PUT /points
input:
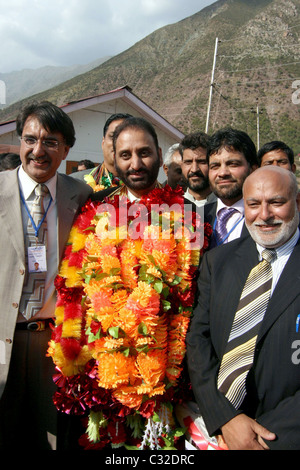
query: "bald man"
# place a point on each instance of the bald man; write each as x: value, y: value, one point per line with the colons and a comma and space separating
x: 267, y: 414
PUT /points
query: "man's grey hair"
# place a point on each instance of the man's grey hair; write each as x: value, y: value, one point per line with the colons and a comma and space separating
x: 169, y: 154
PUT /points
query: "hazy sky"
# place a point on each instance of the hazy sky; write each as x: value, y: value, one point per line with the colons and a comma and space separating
x: 35, y: 33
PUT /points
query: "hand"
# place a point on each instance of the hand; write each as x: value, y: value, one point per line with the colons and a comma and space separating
x: 244, y: 433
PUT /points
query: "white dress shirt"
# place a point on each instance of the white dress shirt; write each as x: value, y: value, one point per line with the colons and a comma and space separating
x: 27, y: 186
x: 283, y: 254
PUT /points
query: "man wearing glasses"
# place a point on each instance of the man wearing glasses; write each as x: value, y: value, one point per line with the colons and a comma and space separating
x: 37, y: 209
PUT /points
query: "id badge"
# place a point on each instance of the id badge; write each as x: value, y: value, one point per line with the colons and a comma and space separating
x: 37, y: 262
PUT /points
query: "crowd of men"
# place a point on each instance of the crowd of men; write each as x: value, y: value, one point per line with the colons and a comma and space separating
x: 241, y: 341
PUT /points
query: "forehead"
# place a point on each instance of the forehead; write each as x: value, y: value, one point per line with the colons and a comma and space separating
x: 275, y: 155
x: 131, y: 138
x: 267, y: 186
x: 35, y: 128
x: 227, y: 154
x: 196, y: 154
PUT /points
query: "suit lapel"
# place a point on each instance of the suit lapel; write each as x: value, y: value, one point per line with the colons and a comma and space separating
x: 244, y: 258
x: 10, y: 211
x: 287, y: 289
x: 67, y: 207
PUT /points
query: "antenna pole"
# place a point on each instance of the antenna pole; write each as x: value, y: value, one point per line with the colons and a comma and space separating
x: 211, y: 85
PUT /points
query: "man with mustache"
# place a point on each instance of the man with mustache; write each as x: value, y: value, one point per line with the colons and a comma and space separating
x: 253, y: 402
x: 33, y: 237
x: 195, y: 168
x: 231, y: 157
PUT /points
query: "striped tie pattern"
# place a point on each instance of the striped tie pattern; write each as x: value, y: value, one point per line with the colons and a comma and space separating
x: 239, y: 353
x: 34, y: 283
x: 222, y: 219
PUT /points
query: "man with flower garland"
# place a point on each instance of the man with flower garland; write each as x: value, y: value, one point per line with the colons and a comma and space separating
x: 125, y: 294
x: 104, y: 175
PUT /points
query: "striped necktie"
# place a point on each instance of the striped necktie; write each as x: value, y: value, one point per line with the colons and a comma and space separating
x: 34, y: 284
x: 239, y: 353
x: 222, y: 219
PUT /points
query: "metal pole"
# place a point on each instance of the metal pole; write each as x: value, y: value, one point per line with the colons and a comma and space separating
x: 211, y: 85
x: 257, y: 112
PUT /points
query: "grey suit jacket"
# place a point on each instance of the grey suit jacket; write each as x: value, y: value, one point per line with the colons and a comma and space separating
x: 71, y: 195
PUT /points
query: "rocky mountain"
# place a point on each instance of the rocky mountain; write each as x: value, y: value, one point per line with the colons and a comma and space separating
x: 25, y: 83
x: 257, y: 66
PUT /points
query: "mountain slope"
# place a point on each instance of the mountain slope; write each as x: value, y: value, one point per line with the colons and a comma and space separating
x: 257, y: 63
x: 27, y: 82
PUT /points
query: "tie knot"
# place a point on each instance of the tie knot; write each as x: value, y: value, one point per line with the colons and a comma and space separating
x: 225, y: 213
x: 269, y: 255
x: 41, y: 190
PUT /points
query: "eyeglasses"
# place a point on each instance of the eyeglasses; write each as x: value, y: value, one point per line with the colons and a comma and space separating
x: 50, y: 144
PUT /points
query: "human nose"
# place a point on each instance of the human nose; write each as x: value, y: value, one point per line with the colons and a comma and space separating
x: 194, y: 167
x: 136, y: 162
x: 38, y: 148
x: 223, y: 170
x: 264, y: 212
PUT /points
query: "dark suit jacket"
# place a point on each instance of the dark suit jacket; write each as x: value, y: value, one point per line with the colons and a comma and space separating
x: 273, y: 385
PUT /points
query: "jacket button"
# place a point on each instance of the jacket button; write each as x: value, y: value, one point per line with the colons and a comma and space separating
x: 22, y: 271
x: 15, y: 305
x: 8, y: 340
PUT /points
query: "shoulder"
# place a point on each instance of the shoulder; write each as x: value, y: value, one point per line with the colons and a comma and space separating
x: 238, y: 247
x: 79, y: 175
x: 101, y: 195
x: 68, y: 183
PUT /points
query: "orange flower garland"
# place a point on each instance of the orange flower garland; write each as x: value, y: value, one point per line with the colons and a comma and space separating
x: 124, y: 301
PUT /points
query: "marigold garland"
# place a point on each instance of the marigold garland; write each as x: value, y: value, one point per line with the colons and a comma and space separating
x: 123, y: 309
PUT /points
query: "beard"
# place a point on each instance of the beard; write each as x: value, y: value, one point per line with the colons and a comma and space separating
x: 282, y: 232
x: 140, y: 179
x: 233, y: 192
x: 199, y: 186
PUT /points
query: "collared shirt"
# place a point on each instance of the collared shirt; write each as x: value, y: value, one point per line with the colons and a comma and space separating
x: 235, y: 223
x: 199, y: 203
x: 27, y: 186
x: 283, y: 254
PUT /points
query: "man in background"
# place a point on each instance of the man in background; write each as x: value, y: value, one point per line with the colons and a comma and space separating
x: 277, y: 153
x: 85, y: 165
x: 104, y: 175
x: 195, y: 169
x: 172, y: 167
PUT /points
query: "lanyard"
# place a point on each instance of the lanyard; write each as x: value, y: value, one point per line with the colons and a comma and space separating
x: 230, y: 231
x: 36, y: 228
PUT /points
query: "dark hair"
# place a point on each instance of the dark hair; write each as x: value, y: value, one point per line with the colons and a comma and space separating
x: 276, y: 145
x: 87, y: 163
x: 233, y: 138
x: 9, y: 161
x: 51, y: 117
x: 112, y: 118
x: 194, y: 141
x: 135, y: 123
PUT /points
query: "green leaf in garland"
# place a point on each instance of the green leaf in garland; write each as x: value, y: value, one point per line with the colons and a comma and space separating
x: 142, y: 329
